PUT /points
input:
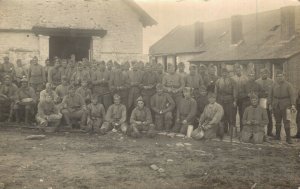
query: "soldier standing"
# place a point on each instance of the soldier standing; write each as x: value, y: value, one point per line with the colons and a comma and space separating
x: 266, y: 83
x: 36, y: 76
x: 282, y: 99
x: 148, y: 83
x: 173, y: 83
x: 226, y: 96
x: 54, y: 74
x: 135, y: 78
x: 7, y: 68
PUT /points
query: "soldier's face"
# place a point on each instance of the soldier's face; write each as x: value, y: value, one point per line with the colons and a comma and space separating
x: 171, y: 69
x: 24, y: 84
x: 159, y: 91
x: 279, y: 78
x: 212, y: 100
x: 238, y: 71
x: 224, y: 74
x: 117, y: 100
x: 264, y: 75
x: 64, y: 64
x: 84, y: 84
x: 80, y: 67
x: 192, y: 71
x: 254, y: 101
x: 181, y: 68
x: 71, y: 92
x: 94, y: 101
x: 186, y: 94
x: 140, y: 104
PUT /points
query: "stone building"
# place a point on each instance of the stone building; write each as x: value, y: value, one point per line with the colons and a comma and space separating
x: 95, y: 29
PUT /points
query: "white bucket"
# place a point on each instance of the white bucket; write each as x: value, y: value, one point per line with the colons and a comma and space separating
x: 189, y: 131
x: 263, y: 103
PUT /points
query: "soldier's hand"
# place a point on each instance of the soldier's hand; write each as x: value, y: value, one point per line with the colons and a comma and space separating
x: 293, y: 108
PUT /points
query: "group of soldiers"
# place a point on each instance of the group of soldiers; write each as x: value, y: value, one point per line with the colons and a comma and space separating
x: 137, y: 98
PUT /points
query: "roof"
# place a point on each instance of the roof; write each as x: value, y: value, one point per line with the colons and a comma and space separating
x: 262, y: 42
x: 145, y: 18
x: 79, y: 14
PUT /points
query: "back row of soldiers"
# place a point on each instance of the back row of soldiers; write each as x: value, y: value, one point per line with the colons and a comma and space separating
x: 104, y: 80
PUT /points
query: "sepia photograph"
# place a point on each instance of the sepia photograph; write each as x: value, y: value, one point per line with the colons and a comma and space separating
x: 149, y: 94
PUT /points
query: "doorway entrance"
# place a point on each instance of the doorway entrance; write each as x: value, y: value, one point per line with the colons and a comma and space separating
x: 64, y: 46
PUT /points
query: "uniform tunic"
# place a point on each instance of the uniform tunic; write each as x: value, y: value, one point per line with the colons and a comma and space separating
x: 85, y: 93
x: 45, y: 93
x: 75, y: 101
x: 149, y: 78
x: 36, y: 74
x: 212, y: 113
x: 143, y: 115
x: 8, y: 69
x: 79, y: 76
x: 134, y: 91
x: 116, y: 113
x: 187, y: 110
x: 120, y: 79
x: 174, y: 81
x: 54, y: 76
x: 62, y: 90
x: 46, y: 109
x: 96, y: 114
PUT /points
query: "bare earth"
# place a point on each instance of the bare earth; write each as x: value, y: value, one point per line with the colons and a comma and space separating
x: 83, y: 161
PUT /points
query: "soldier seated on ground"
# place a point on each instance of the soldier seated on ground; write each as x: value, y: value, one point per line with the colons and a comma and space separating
x: 95, y: 115
x: 209, y: 119
x: 162, y: 105
x: 73, y: 108
x: 255, y: 119
x: 25, y: 100
x: 115, y: 117
x: 49, y: 92
x: 8, y: 92
x: 186, y: 112
x: 141, y: 120
x: 48, y: 116
x: 85, y: 92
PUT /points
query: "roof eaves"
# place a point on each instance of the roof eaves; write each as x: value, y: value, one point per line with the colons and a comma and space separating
x: 145, y: 18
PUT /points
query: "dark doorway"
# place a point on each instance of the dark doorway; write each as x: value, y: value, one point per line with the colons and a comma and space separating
x: 63, y: 47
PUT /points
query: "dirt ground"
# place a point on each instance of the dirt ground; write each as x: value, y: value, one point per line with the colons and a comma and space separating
x: 83, y: 161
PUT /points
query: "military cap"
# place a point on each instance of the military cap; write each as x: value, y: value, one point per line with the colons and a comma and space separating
x: 140, y: 99
x: 279, y: 72
x: 253, y: 96
x: 202, y: 66
x: 7, y: 77
x: 117, y: 65
x: 187, y: 89
x: 264, y: 70
x: 6, y: 58
x: 80, y: 63
x: 193, y: 66
x: 24, y: 79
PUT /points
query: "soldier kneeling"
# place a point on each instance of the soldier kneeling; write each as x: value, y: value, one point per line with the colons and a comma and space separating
x: 141, y: 120
x: 48, y: 116
x: 255, y: 119
x: 209, y: 119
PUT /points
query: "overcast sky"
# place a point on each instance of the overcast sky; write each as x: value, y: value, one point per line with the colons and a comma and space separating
x: 170, y: 13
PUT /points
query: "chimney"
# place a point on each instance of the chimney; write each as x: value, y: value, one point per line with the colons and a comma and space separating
x: 236, y: 29
x: 199, y: 34
x: 287, y: 22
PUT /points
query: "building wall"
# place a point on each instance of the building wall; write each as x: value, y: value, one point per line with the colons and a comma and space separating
x: 123, y: 40
x: 292, y: 70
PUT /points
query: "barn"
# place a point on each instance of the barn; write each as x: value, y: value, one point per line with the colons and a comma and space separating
x: 94, y: 29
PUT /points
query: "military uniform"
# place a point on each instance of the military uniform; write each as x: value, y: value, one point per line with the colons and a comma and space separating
x: 79, y: 76
x: 36, y: 77
x: 48, y: 115
x: 135, y: 78
x: 24, y: 93
x: 44, y: 93
x: 186, y: 110
x: 281, y: 98
x: 266, y: 85
x: 100, y: 81
x: 162, y: 105
x: 254, y: 120
x: 7, y: 68
x: 141, y: 120
x: 209, y: 120
x: 54, y: 76
x: 226, y: 96
x: 74, y: 108
x: 61, y: 91
x: 85, y: 93
x: 96, y: 115
x: 8, y: 95
x: 148, y: 83
x: 119, y: 84
x: 173, y: 84
x: 115, y: 118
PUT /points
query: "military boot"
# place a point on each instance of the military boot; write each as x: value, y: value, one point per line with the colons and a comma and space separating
x: 288, y: 135
x: 278, y: 131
